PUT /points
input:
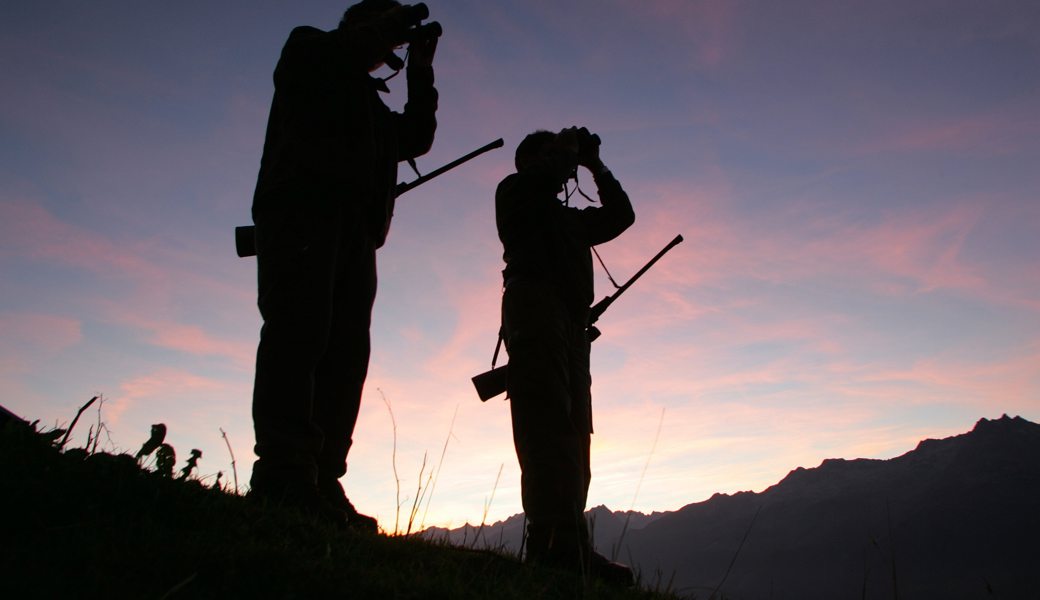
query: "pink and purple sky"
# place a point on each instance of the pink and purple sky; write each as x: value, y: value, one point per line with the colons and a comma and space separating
x: 858, y: 183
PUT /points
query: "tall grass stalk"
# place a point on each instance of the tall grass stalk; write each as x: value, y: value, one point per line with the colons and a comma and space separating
x: 234, y: 468
x: 639, y: 484
x: 892, y: 540
x: 393, y: 461
x: 92, y: 448
x: 733, y: 561
x: 440, y: 463
x: 94, y: 434
x: 487, y: 506
x: 419, y: 493
x: 179, y: 586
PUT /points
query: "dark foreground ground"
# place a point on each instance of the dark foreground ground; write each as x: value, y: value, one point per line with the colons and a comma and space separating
x: 97, y: 526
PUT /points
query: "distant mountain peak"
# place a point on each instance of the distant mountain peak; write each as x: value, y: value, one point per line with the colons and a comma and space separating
x: 1003, y: 430
x: 1005, y: 423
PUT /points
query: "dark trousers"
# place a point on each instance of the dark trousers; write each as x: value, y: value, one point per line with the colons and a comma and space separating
x: 317, y: 285
x: 549, y: 388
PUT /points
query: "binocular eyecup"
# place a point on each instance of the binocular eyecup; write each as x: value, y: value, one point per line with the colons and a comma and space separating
x: 414, y: 14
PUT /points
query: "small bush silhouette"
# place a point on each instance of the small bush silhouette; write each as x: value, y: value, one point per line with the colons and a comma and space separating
x: 153, y: 443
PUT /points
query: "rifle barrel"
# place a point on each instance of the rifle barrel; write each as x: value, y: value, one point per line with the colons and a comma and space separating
x: 245, y: 236
x: 647, y: 266
x: 404, y: 187
x: 603, y: 304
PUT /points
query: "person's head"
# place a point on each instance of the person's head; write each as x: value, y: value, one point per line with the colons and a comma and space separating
x: 363, y: 11
x: 366, y: 9
x: 531, y: 148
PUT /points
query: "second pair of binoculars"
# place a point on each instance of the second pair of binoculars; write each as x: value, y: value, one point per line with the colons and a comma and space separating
x: 411, y: 16
x: 580, y: 144
x: 578, y: 139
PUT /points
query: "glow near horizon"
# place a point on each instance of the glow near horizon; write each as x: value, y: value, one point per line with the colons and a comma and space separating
x: 856, y: 184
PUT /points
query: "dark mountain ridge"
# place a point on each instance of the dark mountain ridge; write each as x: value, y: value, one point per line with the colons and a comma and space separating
x: 953, y: 518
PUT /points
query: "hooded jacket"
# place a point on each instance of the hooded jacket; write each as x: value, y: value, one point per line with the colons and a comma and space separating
x: 546, y: 241
x: 331, y: 142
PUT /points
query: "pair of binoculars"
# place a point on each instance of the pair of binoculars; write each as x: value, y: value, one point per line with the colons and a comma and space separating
x: 586, y: 139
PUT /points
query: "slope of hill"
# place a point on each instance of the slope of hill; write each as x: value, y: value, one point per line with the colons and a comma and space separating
x: 954, y: 518
x: 77, y: 525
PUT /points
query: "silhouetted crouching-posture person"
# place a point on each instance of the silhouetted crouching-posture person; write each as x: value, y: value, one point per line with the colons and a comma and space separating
x: 545, y: 308
x: 323, y: 203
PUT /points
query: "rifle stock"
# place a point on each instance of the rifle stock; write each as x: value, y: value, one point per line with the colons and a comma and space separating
x: 492, y: 383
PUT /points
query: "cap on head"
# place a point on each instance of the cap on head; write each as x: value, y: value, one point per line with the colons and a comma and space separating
x: 530, y: 149
x: 366, y: 9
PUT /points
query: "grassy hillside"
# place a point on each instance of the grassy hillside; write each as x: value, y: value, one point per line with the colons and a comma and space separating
x: 97, y: 526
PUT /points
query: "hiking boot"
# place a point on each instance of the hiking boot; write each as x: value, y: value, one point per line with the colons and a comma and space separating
x: 598, y: 566
x: 301, y: 497
x: 610, y: 572
x: 332, y: 492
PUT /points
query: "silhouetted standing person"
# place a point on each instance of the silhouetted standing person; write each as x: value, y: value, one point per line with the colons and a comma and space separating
x: 545, y: 310
x: 323, y: 203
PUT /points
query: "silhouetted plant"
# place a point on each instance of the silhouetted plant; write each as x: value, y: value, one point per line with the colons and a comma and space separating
x: 94, y: 434
x: 153, y: 443
x: 165, y: 457
x: 193, y: 462
x: 51, y: 437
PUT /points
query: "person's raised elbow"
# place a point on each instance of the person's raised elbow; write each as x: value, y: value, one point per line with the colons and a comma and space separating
x: 420, y: 141
x: 627, y: 218
x: 626, y: 215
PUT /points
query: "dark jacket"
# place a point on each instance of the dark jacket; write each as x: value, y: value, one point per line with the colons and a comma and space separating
x: 331, y: 142
x: 547, y: 241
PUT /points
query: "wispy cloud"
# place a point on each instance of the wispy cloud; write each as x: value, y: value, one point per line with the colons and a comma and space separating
x: 707, y: 26
x: 909, y: 250
x: 26, y: 338
x: 31, y: 231
x: 192, y: 340
x: 1010, y: 129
